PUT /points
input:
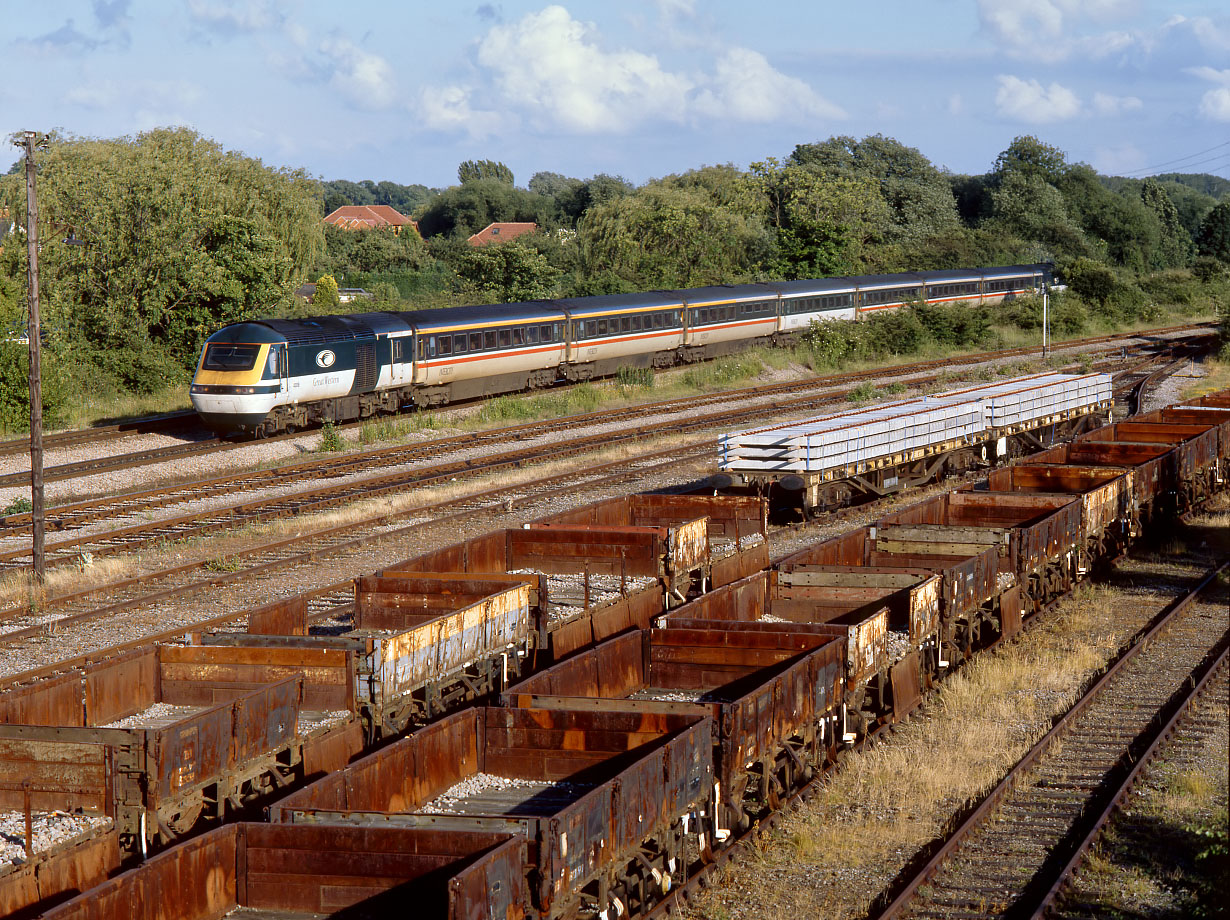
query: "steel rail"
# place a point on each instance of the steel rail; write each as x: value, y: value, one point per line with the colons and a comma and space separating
x: 1212, y: 670
x: 487, y: 500
x: 313, y: 499
x: 978, y: 816
x: 213, y: 445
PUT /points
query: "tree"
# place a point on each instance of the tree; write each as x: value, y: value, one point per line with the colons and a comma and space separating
x: 473, y: 170
x: 507, y: 273
x: 919, y: 197
x: 823, y: 222
x: 326, y: 298
x: 1026, y: 205
x: 1214, y: 237
x: 1029, y: 157
x: 1175, y: 246
x: 181, y: 237
x: 666, y: 236
x: 465, y: 209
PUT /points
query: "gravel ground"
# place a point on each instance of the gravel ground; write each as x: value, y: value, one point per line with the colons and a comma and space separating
x: 260, y: 454
x: 51, y: 829
x: 1169, y: 391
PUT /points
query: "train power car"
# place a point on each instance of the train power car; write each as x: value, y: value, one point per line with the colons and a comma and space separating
x: 268, y: 376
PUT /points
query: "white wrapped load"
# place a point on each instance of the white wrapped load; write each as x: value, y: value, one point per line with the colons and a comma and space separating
x: 862, y: 437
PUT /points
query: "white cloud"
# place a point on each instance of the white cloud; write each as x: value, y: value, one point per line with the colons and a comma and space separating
x: 233, y: 16
x: 448, y: 109
x: 956, y: 105
x: 364, y: 78
x: 1048, y: 29
x: 553, y: 65
x: 1030, y: 101
x: 1215, y: 104
x: 745, y: 87
x: 556, y: 70
x: 1106, y: 104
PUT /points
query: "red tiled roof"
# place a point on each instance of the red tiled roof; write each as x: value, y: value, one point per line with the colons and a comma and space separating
x: 501, y: 232
x: 367, y: 216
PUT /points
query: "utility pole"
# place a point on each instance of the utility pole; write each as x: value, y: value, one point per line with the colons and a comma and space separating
x: 29, y: 140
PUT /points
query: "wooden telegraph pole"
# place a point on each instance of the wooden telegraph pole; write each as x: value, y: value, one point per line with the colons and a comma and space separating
x: 29, y: 140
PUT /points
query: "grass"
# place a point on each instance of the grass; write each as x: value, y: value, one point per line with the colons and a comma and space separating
x: 896, y: 796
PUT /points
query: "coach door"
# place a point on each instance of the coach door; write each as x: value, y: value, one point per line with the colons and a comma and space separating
x: 401, y: 354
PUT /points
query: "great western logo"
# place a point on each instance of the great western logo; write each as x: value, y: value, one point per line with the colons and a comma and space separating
x: 325, y: 358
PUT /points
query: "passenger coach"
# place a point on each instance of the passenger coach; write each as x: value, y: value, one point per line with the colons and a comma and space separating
x: 267, y: 376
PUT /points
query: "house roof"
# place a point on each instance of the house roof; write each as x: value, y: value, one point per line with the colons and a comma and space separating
x: 368, y: 216
x: 501, y: 232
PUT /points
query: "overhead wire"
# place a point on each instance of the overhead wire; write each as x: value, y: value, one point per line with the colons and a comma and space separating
x: 1190, y: 156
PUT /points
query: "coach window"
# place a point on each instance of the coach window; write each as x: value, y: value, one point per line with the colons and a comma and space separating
x: 625, y: 324
x: 591, y: 328
x: 636, y: 323
x: 518, y: 336
x: 505, y: 338
x: 446, y: 345
x: 459, y: 344
x: 531, y: 335
x: 544, y: 333
x: 488, y: 340
x: 476, y: 341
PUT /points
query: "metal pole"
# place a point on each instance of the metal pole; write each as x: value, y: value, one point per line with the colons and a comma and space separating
x: 29, y: 141
x: 1046, y: 339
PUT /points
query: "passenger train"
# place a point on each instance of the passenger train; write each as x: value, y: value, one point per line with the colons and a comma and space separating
x: 269, y: 376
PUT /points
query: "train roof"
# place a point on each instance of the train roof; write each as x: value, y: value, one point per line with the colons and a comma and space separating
x: 452, y: 317
x: 725, y: 293
x: 951, y: 274
x: 805, y: 286
x: 1013, y: 271
x: 246, y: 333
x: 618, y: 303
x: 902, y: 279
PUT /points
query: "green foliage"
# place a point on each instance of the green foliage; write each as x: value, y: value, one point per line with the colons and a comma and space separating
x: 465, y: 209
x: 918, y: 196
x: 862, y: 394
x: 18, y: 506
x: 404, y: 199
x: 1213, y: 240
x: 672, y: 234
x: 1091, y: 280
x: 330, y: 441
x: 326, y: 297
x: 1030, y: 158
x: 1207, y: 268
x: 15, y: 388
x: 181, y: 237
x: 506, y: 273
x: 473, y: 170
x: 824, y: 223
x: 378, y: 250
x: 1175, y: 247
x: 642, y: 377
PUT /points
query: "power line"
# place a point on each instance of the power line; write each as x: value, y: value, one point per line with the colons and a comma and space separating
x: 1181, y: 159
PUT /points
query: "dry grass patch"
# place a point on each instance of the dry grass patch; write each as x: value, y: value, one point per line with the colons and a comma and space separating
x: 217, y: 551
x: 870, y: 817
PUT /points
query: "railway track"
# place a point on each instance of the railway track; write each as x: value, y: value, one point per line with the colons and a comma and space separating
x: 210, y: 445
x: 1203, y: 712
x: 1007, y: 855
x: 165, y: 605
x: 392, y: 473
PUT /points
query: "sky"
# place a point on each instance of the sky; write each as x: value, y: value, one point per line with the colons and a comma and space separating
x: 404, y: 91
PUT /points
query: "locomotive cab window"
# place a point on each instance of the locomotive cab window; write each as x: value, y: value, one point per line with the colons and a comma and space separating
x: 225, y: 357
x: 276, y: 365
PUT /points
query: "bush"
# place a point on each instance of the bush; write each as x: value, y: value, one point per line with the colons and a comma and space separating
x: 330, y: 440
x: 1092, y: 280
x: 15, y: 388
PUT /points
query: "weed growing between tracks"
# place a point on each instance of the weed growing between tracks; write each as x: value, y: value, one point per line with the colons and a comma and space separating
x: 832, y: 856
